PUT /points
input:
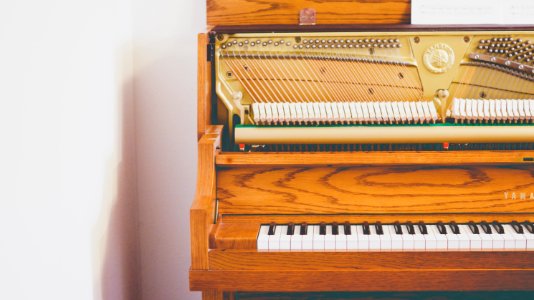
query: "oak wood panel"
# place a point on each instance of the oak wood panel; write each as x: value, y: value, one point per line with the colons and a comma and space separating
x: 478, y: 295
x: 212, y: 295
x: 287, y: 261
x: 202, y: 212
x: 235, y: 236
x: 243, y: 235
x: 259, y: 12
x: 203, y: 86
x: 372, y: 158
x: 248, y: 222
x: 373, y: 190
x: 363, y: 280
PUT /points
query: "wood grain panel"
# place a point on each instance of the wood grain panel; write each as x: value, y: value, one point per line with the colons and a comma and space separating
x: 260, y: 12
x: 248, y: 222
x: 373, y: 158
x: 363, y: 280
x: 202, y: 212
x: 374, y: 190
x: 287, y: 261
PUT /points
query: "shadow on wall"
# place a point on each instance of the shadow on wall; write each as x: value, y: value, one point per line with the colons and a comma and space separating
x: 116, y: 258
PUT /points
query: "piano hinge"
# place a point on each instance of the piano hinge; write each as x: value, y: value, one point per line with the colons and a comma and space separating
x: 307, y: 16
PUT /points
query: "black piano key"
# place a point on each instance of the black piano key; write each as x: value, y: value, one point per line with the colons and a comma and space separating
x: 347, y: 229
x: 335, y: 228
x: 290, y: 229
x: 422, y: 227
x: 322, y: 228
x: 272, y: 228
x: 379, y: 229
x: 398, y: 227
x: 410, y: 227
x: 441, y: 228
x: 485, y: 226
x: 366, y: 229
x: 517, y: 227
x: 529, y: 226
x: 473, y: 227
x: 303, y: 229
x: 498, y: 227
x: 454, y: 227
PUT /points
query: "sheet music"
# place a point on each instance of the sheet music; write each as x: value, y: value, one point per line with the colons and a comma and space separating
x: 472, y: 12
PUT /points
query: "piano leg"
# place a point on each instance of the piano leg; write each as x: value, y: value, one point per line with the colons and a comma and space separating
x: 217, y: 295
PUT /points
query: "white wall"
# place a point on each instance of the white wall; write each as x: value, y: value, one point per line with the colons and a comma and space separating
x: 68, y: 215
x: 165, y: 93
x: 97, y: 147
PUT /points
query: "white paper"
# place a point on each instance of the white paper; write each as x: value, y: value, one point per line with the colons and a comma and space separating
x: 472, y: 12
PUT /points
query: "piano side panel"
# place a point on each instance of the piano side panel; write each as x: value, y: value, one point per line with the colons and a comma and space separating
x: 375, y: 190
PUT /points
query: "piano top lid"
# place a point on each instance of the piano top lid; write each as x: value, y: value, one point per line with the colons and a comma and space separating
x: 295, y: 12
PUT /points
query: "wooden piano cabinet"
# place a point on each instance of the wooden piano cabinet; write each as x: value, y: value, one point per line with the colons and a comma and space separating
x: 237, y: 192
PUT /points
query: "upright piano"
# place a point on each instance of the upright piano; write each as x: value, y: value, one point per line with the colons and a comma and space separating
x: 343, y: 152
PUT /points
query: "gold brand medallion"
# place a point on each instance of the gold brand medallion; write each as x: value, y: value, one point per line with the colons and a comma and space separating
x: 438, y: 58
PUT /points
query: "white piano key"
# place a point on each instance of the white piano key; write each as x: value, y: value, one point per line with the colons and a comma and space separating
x: 341, y: 239
x: 517, y: 241
x: 296, y: 239
x: 441, y: 239
x: 530, y: 239
x: 329, y: 239
x: 363, y: 239
x: 498, y: 239
x: 262, y: 243
x: 453, y: 241
x: 464, y: 242
x: 318, y: 239
x: 274, y: 240
x: 285, y: 239
x: 352, y: 239
x: 475, y: 242
x: 419, y: 243
x: 374, y: 239
x: 307, y: 239
x: 396, y: 239
x: 385, y: 239
x: 407, y: 239
x: 431, y: 243
x: 486, y: 239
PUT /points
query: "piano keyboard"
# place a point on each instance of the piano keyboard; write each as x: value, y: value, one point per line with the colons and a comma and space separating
x: 483, y: 236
